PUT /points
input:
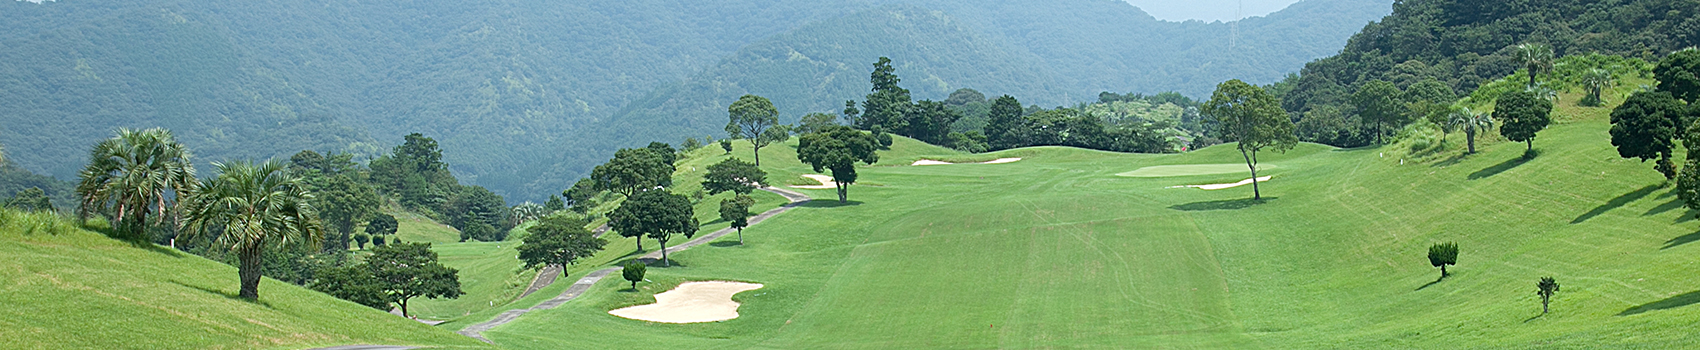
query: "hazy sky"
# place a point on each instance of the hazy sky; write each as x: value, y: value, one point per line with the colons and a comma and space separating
x: 1208, y: 10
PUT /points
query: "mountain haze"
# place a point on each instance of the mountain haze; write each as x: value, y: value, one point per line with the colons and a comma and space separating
x: 526, y: 96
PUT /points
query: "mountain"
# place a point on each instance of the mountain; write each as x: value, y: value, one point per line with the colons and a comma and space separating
x: 527, y: 95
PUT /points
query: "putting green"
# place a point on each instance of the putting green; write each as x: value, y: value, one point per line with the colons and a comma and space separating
x: 1191, y: 169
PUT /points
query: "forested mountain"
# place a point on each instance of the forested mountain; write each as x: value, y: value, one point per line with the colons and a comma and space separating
x: 526, y: 95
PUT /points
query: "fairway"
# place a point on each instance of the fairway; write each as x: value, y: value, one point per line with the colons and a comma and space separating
x: 1063, y: 250
x: 1192, y: 170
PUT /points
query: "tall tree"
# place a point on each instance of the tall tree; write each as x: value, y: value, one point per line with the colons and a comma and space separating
x: 887, y: 103
x: 342, y: 203
x: 668, y: 154
x: 558, y: 240
x: 134, y: 175
x: 250, y: 205
x: 1378, y: 104
x: 1472, y: 123
x: 580, y: 196
x: 1250, y: 116
x: 737, y: 211
x: 1521, y: 115
x: 1645, y: 126
x: 1003, y: 125
x: 1679, y: 74
x: 750, y: 117
x: 411, y: 270
x: 838, y: 149
x: 1546, y: 288
x: 1536, y: 58
x: 656, y: 214
x: 733, y: 175
x: 633, y: 170
x: 929, y: 122
x: 1443, y: 254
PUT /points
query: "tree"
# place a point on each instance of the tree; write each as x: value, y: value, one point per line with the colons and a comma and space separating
x: 1003, y: 127
x: 750, y: 117
x: 1443, y: 254
x: 633, y: 170
x: 1536, y: 58
x: 1472, y: 123
x: 733, y: 175
x: 554, y: 204
x: 31, y: 199
x: 381, y: 225
x: 342, y: 203
x: 1377, y: 102
x: 249, y: 206
x: 929, y: 122
x: 838, y: 149
x: 377, y: 241
x: 633, y: 272
x: 352, y: 283
x: 134, y: 175
x: 1250, y: 116
x: 558, y: 240
x: 814, y: 122
x: 477, y: 205
x: 737, y: 211
x: 1645, y: 126
x: 1688, y: 180
x: 1546, y: 288
x: 1679, y: 74
x: 361, y: 239
x: 887, y: 104
x: 668, y: 154
x: 1596, y: 81
x: 526, y: 212
x: 656, y: 214
x: 411, y: 270
x: 1521, y: 114
x: 481, y: 231
x: 726, y: 144
x: 580, y: 196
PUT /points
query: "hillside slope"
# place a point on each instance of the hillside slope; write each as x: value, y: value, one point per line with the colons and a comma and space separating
x: 1057, y: 250
x: 69, y: 288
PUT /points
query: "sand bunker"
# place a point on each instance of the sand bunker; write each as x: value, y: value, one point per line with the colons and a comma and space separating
x: 934, y: 162
x: 1225, y: 186
x: 1191, y: 169
x: 825, y: 183
x: 691, y: 302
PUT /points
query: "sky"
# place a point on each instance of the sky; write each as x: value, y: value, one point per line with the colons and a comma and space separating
x: 1209, y: 10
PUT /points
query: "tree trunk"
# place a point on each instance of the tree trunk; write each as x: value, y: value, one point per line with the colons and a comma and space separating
x: 740, y: 236
x: 1470, y: 134
x: 1531, y: 143
x: 843, y: 192
x: 640, y: 243
x: 664, y: 261
x: 1544, y: 300
x: 1442, y: 270
x: 250, y: 272
x: 757, y: 151
x: 1255, y: 193
x: 403, y: 304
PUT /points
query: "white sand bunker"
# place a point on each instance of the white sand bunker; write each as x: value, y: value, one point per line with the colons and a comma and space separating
x: 1191, y: 169
x: 1225, y: 186
x: 934, y: 162
x: 691, y: 302
x: 825, y: 183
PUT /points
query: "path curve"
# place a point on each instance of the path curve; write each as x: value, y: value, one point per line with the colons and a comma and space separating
x: 544, y: 278
x: 584, y: 283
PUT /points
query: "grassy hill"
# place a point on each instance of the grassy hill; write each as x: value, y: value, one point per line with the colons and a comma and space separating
x: 68, y: 288
x: 1058, y: 251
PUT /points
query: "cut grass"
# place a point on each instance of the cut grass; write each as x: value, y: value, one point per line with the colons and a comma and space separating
x: 67, y: 288
x: 1057, y: 251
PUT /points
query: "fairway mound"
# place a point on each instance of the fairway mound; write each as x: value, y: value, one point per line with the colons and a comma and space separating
x: 935, y: 162
x: 825, y: 183
x: 691, y: 302
x: 1191, y: 169
x: 1225, y: 186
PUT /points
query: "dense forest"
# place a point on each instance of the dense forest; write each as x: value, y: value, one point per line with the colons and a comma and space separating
x: 529, y: 95
x: 1455, y: 47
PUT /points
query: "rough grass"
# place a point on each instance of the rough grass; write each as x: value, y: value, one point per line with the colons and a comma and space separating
x: 68, y: 288
x: 1057, y: 251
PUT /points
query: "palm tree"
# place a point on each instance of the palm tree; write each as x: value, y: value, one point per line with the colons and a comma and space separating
x: 1596, y: 81
x: 1536, y: 58
x: 253, y: 205
x: 1471, y: 122
x: 133, y: 175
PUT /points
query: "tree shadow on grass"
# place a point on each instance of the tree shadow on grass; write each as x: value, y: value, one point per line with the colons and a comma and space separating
x: 653, y: 263
x: 1499, y: 168
x: 1436, y: 281
x: 1615, y: 203
x: 1685, y: 299
x: 827, y: 203
x: 1450, y: 161
x: 226, y: 295
x: 724, y: 244
x: 1684, y: 239
x: 1231, y: 204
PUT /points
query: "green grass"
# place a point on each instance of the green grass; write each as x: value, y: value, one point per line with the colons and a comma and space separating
x: 67, y: 288
x: 413, y: 227
x: 1192, y: 170
x: 1058, y: 251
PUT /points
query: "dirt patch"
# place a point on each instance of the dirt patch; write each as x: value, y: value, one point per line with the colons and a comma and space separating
x: 825, y: 183
x: 691, y: 302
